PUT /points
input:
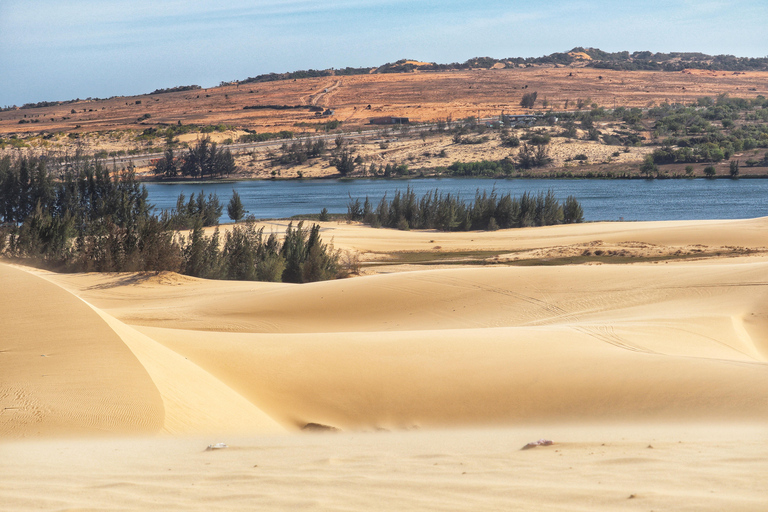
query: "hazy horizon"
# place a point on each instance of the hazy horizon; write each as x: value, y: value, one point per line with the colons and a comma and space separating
x: 82, y: 48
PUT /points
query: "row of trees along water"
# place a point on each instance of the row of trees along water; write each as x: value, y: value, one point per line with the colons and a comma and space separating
x: 94, y: 219
x: 448, y: 212
x: 91, y: 219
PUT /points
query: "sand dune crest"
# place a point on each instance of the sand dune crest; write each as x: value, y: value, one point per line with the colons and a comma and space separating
x: 63, y: 370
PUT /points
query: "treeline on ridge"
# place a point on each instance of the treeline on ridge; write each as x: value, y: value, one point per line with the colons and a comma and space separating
x: 178, y: 88
x: 305, y: 73
x: 91, y: 219
x: 623, y: 60
x: 448, y: 212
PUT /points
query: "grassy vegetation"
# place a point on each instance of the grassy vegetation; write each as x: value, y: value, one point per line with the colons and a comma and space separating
x: 466, y: 257
x: 434, y: 257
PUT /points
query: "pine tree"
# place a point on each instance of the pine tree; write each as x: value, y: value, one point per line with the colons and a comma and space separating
x: 572, y: 211
x: 552, y: 212
x: 345, y: 163
x: 235, y: 208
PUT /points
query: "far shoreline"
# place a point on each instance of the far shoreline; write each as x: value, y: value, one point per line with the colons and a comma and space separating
x: 182, y: 181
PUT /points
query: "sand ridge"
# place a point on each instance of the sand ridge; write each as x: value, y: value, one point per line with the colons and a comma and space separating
x: 101, y: 376
x: 64, y: 370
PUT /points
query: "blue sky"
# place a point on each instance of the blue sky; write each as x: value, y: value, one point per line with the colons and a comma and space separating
x: 58, y: 50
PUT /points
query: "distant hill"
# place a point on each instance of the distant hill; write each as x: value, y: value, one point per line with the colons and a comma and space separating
x: 588, y: 57
x: 577, y: 57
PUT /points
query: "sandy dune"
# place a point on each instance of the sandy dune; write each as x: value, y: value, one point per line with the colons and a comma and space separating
x: 64, y: 370
x: 604, y: 359
x: 752, y: 233
x: 460, y: 346
x: 478, y: 346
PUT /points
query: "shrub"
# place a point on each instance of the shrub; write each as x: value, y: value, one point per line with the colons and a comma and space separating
x: 734, y: 168
x: 649, y: 166
x: 344, y: 163
x: 528, y: 100
x: 537, y: 139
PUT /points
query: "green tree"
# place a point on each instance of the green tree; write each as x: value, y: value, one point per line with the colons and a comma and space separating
x: 649, y: 167
x: 270, y: 268
x: 202, y: 257
x: 734, y: 168
x: 709, y: 171
x: 224, y: 164
x: 306, y: 257
x: 344, y: 163
x: 167, y: 166
x: 235, y: 208
x: 196, y: 159
x: 240, y: 253
x: 45, y: 235
x: 294, y: 252
x: 552, y: 211
x: 572, y: 211
x: 206, y: 159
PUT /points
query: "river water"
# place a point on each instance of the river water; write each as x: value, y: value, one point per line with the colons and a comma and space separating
x: 679, y: 199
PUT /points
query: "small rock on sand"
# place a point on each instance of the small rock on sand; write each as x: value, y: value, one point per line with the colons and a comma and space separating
x: 319, y: 427
x: 540, y: 442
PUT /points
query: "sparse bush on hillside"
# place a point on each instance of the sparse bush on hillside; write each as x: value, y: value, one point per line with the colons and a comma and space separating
x: 537, y: 156
x: 344, y: 163
x: 528, y: 100
x: 261, y: 137
x: 298, y: 153
x: 510, y: 141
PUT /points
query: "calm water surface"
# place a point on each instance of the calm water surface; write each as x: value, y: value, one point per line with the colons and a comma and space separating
x: 681, y: 199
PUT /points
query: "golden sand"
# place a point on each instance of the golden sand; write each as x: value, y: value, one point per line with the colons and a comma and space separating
x: 652, y: 379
